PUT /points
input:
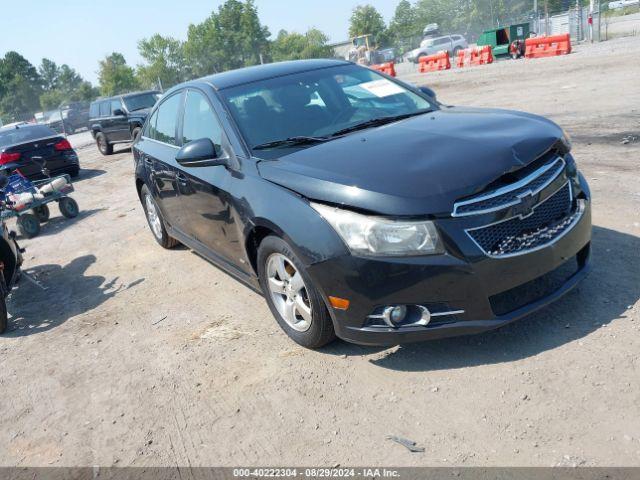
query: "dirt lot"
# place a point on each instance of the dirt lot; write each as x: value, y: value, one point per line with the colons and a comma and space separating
x: 138, y: 356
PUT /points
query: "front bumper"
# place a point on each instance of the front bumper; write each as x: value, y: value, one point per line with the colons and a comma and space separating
x: 463, y: 279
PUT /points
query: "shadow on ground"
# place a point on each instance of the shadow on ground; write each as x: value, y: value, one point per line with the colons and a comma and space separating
x: 88, y: 173
x: 54, y: 293
x: 603, y: 297
x: 57, y: 222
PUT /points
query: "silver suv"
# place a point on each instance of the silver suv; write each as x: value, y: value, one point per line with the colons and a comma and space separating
x: 429, y: 46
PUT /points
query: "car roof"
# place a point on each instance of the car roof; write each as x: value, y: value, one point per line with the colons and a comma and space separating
x: 124, y: 95
x: 20, y: 126
x: 257, y: 73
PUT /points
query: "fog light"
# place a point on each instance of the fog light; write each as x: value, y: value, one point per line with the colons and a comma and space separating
x: 396, y: 314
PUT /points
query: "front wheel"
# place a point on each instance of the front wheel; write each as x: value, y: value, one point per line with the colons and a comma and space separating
x: 291, y: 295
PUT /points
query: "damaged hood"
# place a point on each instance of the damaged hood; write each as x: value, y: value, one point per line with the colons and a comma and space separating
x: 417, y: 166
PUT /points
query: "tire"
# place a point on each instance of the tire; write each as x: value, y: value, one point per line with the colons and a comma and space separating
x: 313, y: 330
x: 103, y: 144
x: 157, y: 229
x: 68, y: 207
x: 43, y: 213
x: 135, y: 134
x: 28, y: 225
x: 3, y: 315
x: 419, y: 57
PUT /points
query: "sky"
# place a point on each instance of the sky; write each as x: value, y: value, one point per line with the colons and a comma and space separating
x: 81, y: 32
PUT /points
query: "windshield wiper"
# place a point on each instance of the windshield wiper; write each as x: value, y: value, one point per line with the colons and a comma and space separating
x: 377, y: 122
x: 300, y: 140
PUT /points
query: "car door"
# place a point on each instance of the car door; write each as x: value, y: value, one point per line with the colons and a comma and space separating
x: 204, y: 191
x: 106, y: 121
x: 119, y: 122
x: 157, y: 148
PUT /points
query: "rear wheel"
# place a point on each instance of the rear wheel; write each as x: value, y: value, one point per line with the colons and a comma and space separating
x: 155, y: 220
x: 28, y: 225
x: 291, y: 295
x: 103, y: 145
x: 68, y: 207
x: 43, y: 213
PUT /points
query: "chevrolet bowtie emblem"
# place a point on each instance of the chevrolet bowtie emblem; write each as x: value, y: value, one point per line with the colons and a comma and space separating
x: 525, y: 208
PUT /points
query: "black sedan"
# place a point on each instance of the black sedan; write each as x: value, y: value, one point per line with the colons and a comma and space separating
x: 362, y: 207
x: 35, y: 146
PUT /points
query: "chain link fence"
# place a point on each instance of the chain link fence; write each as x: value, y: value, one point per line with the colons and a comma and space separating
x: 67, y: 119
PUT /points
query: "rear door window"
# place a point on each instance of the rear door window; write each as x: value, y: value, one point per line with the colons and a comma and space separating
x: 167, y: 120
x: 94, y: 110
x: 150, y: 128
x: 105, y: 109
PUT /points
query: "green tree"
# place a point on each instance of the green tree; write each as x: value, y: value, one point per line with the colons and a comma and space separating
x: 232, y: 37
x: 296, y: 46
x: 62, y: 84
x: 164, y: 62
x: 48, y: 71
x: 20, y: 87
x: 115, y: 76
x: 366, y: 20
x: 404, y: 28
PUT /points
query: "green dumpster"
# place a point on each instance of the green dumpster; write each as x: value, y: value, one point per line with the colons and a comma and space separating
x: 501, y: 38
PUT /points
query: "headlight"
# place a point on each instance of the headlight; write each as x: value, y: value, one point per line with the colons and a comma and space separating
x: 365, y: 235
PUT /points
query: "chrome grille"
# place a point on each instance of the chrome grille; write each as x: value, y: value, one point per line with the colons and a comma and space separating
x: 510, y: 195
x: 550, y: 220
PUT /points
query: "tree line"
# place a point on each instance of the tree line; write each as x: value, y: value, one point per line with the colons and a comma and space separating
x: 233, y: 37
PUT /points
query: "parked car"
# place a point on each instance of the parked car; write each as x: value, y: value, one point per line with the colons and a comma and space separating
x: 75, y: 116
x: 53, y: 119
x: 429, y: 46
x: 31, y: 145
x: 119, y: 119
x: 382, y: 217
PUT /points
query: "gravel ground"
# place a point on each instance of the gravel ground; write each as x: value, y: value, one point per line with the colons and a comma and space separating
x: 134, y: 355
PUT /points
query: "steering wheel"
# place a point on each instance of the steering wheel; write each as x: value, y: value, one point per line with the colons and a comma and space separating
x: 343, y: 115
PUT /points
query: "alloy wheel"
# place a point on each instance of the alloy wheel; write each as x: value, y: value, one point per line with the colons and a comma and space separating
x: 289, y: 292
x: 153, y: 216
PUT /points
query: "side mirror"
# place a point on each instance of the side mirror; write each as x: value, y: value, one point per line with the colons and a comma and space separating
x: 427, y: 91
x: 118, y: 113
x: 199, y: 153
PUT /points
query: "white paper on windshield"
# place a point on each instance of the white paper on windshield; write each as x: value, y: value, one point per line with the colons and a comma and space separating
x: 382, y: 88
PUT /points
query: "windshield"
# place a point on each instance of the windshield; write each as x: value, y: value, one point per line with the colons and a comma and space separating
x: 15, y: 136
x: 318, y: 103
x: 138, y: 102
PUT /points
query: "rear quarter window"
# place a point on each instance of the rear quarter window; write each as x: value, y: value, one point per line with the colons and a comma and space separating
x: 94, y: 110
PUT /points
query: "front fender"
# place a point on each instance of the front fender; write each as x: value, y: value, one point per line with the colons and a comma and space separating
x: 291, y: 217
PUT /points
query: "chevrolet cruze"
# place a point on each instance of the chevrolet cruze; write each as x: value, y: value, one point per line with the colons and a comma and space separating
x: 360, y: 206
